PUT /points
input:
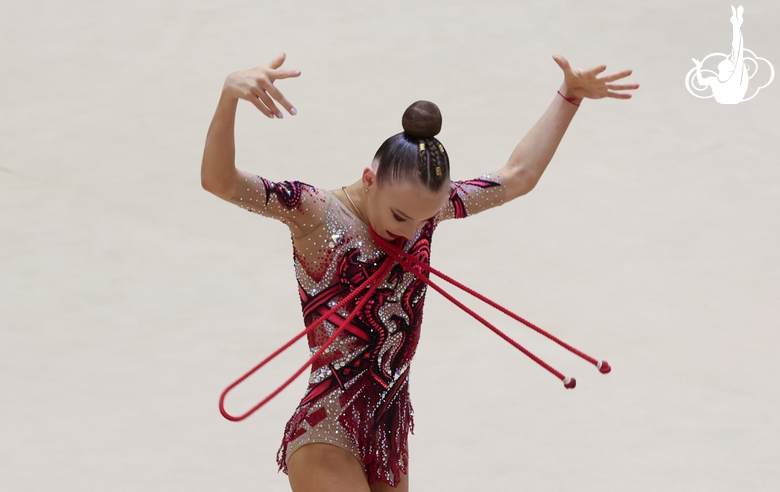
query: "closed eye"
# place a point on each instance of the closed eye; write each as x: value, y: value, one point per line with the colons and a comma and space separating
x: 398, y: 218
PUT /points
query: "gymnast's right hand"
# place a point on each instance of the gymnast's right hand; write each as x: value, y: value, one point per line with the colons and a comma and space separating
x: 257, y: 86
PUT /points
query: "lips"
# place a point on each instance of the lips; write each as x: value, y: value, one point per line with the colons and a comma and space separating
x: 394, y: 236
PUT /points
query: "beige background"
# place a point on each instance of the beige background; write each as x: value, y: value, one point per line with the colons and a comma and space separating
x: 129, y: 297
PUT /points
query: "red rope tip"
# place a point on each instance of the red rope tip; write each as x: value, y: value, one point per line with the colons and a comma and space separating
x: 604, y: 367
x: 569, y: 383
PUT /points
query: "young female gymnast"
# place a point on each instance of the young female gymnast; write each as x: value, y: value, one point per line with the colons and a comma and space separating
x: 349, y: 433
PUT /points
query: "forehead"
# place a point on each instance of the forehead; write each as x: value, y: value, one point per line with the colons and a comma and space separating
x: 414, y: 199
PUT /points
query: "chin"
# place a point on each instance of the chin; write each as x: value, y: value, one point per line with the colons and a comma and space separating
x: 393, y: 237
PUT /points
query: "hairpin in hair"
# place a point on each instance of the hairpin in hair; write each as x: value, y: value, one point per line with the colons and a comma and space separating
x: 438, y: 171
x: 441, y: 149
x: 422, y: 147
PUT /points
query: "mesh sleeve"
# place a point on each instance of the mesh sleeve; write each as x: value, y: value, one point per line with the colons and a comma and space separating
x: 291, y: 202
x: 473, y: 196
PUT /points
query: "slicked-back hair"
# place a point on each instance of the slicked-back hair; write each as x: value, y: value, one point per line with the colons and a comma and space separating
x: 403, y: 157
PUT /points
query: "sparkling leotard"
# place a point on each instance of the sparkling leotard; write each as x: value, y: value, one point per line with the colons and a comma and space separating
x: 358, y: 393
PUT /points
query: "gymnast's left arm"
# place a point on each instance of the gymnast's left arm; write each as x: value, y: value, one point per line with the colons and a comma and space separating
x: 534, y: 152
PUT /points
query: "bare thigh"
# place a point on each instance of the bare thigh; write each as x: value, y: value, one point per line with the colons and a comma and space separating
x: 320, y: 467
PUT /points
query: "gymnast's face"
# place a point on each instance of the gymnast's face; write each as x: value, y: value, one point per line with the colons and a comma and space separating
x: 400, y: 208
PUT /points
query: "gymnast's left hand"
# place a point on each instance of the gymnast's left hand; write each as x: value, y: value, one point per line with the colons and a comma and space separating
x: 590, y: 84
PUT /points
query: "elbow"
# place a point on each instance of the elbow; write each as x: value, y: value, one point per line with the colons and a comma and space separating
x: 206, y: 183
x: 520, y: 183
x: 526, y: 188
x: 521, y: 190
x: 530, y: 182
x: 221, y: 189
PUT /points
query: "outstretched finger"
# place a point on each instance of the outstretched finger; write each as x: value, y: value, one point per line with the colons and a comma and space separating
x: 273, y: 111
x: 259, y: 105
x: 618, y: 95
x: 616, y: 76
x: 562, y: 62
x: 285, y: 74
x: 276, y: 94
x: 277, y: 62
x: 597, y: 70
x: 622, y: 87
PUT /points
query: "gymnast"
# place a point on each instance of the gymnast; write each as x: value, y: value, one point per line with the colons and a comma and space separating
x: 363, y: 309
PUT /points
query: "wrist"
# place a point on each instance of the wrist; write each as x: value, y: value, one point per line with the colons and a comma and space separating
x: 228, y: 98
x: 229, y: 89
x: 566, y: 93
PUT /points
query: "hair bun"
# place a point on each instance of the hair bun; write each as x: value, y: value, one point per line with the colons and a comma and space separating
x: 422, y: 120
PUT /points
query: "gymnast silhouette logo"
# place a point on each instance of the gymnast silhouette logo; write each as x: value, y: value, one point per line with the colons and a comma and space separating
x: 735, y: 70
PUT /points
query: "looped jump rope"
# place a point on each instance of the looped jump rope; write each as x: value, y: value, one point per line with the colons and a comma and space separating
x: 371, y: 283
x: 411, y: 264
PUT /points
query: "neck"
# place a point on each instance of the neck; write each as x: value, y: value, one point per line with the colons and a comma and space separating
x: 355, y: 196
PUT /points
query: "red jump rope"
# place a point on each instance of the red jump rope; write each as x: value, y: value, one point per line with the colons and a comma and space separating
x: 411, y: 264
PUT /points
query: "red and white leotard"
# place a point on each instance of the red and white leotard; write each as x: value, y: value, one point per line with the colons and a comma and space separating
x: 358, y: 393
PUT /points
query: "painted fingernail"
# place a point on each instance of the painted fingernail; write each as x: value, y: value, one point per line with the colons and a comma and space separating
x: 271, y: 115
x: 293, y: 111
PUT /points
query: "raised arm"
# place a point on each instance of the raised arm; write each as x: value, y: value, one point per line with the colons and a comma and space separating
x: 218, y: 171
x: 534, y: 152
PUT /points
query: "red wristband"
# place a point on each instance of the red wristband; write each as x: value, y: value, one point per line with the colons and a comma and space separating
x: 570, y: 99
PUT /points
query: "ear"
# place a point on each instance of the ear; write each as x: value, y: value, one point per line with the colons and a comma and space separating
x: 369, y: 176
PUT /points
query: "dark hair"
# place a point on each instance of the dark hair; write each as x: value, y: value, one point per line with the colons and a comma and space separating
x: 415, y: 153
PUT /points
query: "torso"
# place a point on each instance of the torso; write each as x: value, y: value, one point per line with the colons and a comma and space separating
x: 358, y: 395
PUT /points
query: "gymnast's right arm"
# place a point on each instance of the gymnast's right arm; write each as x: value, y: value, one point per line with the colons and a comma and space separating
x: 218, y: 171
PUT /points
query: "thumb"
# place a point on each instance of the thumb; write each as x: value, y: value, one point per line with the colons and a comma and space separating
x: 562, y: 62
x: 277, y: 62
